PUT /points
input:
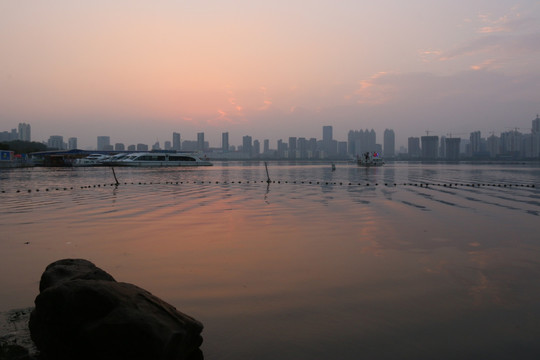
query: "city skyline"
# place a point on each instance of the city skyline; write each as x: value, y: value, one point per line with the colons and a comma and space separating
x: 510, y: 144
x: 135, y: 70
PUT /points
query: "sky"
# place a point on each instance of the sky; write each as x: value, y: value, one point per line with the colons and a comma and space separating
x: 138, y: 71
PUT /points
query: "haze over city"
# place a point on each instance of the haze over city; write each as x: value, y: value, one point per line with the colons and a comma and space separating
x: 139, y: 70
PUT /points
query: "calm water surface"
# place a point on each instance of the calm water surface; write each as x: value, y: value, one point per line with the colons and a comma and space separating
x: 316, y: 265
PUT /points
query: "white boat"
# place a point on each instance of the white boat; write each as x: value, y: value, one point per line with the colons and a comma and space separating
x: 161, y: 159
x: 369, y: 159
x: 91, y: 160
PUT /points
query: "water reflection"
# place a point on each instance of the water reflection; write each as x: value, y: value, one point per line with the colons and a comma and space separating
x: 299, y: 271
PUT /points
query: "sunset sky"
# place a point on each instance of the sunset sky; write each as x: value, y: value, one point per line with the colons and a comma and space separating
x: 138, y: 70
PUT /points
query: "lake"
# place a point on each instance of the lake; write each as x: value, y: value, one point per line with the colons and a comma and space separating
x: 348, y: 264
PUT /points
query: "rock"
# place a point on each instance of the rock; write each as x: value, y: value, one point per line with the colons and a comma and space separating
x: 15, y: 342
x: 83, y: 313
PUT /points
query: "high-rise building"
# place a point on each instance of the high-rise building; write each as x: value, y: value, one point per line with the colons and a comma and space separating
x: 103, y: 142
x: 225, y: 142
x: 72, y: 143
x: 536, y: 125
x: 256, y: 148
x: 176, y: 141
x: 452, y: 148
x: 430, y: 147
x: 536, y: 137
x: 200, y: 141
x: 167, y: 145
x: 24, y: 132
x: 142, y: 147
x: 414, y: 147
x: 327, y: 133
x: 328, y: 144
x: 292, y: 147
x: 56, y: 142
x: 442, y: 147
x: 475, y: 141
x: 493, y: 145
x: 266, y: 146
x: 361, y: 141
x: 119, y: 147
x: 389, y: 143
x: 247, y: 146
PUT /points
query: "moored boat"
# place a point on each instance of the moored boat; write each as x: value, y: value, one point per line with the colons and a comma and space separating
x: 161, y: 159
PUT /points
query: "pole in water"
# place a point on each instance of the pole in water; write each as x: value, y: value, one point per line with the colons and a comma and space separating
x: 267, y: 175
x: 114, y: 174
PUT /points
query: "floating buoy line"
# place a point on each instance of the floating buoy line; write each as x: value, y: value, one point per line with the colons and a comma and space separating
x: 268, y: 181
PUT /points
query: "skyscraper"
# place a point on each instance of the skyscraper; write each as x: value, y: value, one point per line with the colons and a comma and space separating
x: 247, y: 146
x: 292, y: 147
x: 452, y: 148
x: 256, y: 148
x: 266, y: 146
x: 103, y: 142
x: 430, y: 147
x: 24, y: 132
x: 389, y: 143
x: 56, y: 142
x: 200, y: 141
x: 176, y: 141
x: 414, y: 147
x: 225, y: 142
x: 327, y: 133
x: 475, y: 138
x: 72, y: 143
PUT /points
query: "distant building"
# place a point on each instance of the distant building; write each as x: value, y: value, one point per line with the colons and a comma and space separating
x: 361, y: 141
x: 247, y: 146
x: 190, y: 145
x: 225, y: 142
x: 452, y: 146
x: 24, y: 132
x: 536, y: 137
x: 56, y: 142
x: 389, y: 143
x: 102, y: 142
x: 292, y: 147
x: 156, y: 146
x: 342, y: 149
x: 493, y: 145
x: 475, y: 140
x: 131, y: 148
x: 430, y: 147
x: 176, y: 143
x: 167, y: 145
x: 256, y: 148
x: 142, y: 147
x: 200, y: 141
x: 119, y: 147
x: 72, y: 143
x: 266, y: 147
x: 442, y: 148
x: 414, y: 147
x: 329, y: 146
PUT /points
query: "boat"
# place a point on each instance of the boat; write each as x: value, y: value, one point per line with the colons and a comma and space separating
x: 161, y: 159
x: 91, y: 160
x: 369, y: 159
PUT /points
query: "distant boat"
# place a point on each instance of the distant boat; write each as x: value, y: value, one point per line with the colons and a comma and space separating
x: 91, y: 160
x: 160, y: 159
x: 369, y: 159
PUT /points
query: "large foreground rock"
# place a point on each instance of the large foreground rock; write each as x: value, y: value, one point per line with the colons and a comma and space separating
x: 83, y: 313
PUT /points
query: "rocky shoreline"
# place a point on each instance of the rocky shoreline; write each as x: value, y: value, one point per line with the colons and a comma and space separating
x: 83, y: 313
x: 15, y: 340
